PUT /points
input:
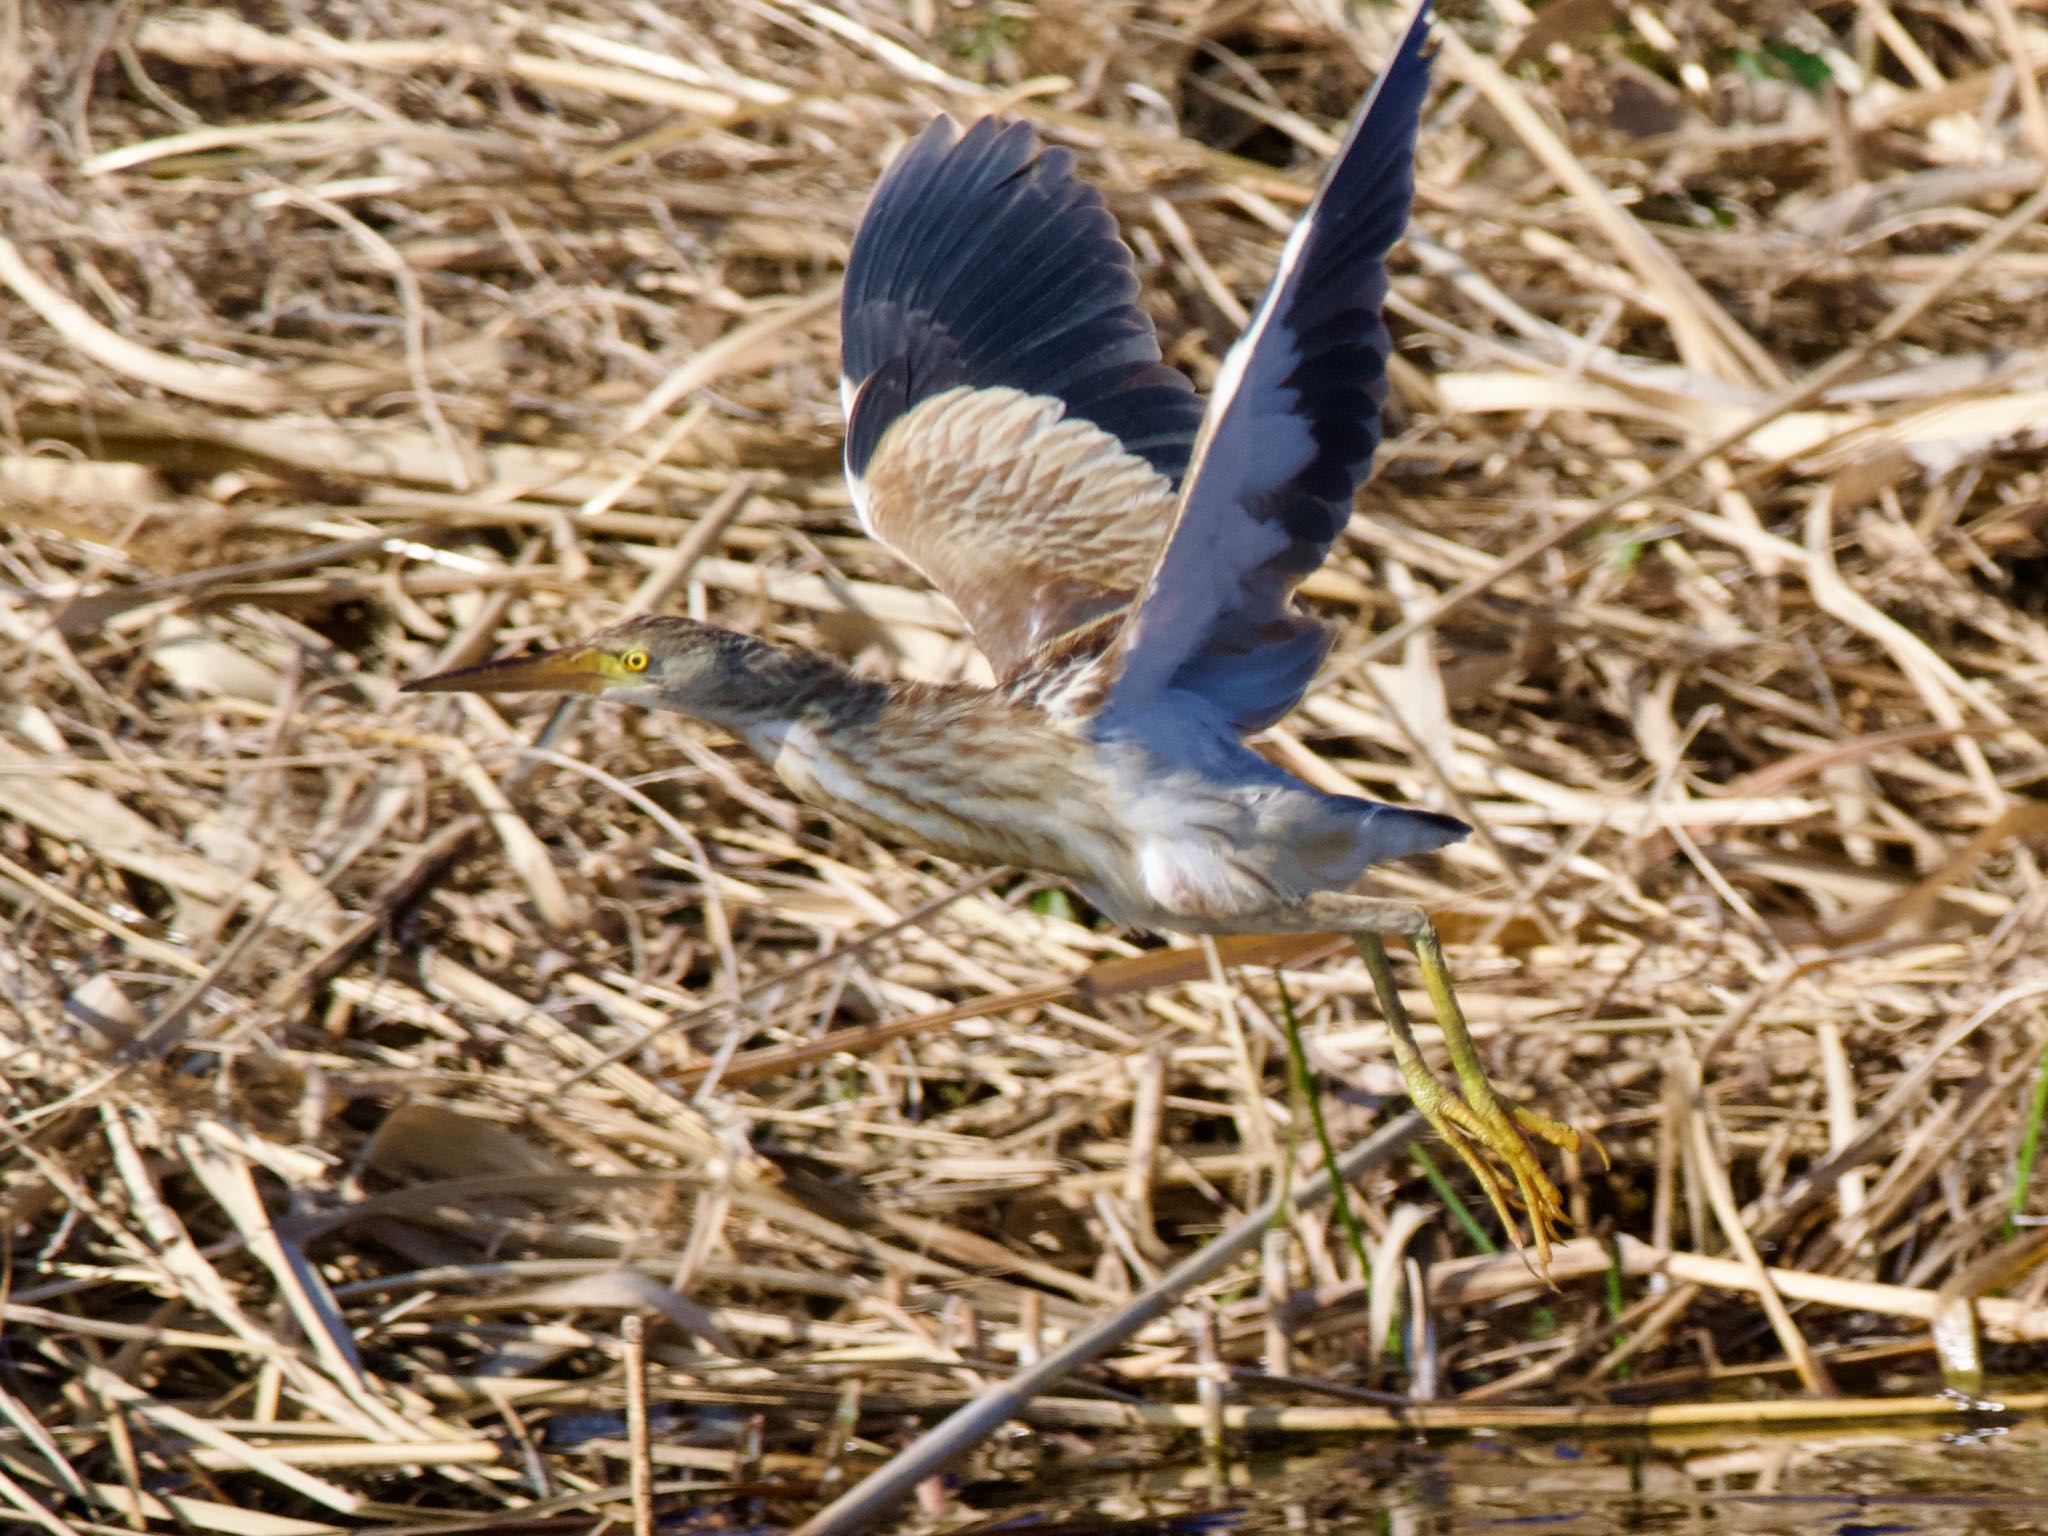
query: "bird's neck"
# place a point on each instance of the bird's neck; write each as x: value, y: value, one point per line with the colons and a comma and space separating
x: 758, y: 690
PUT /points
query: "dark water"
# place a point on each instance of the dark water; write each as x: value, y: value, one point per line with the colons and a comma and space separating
x: 1899, y: 1481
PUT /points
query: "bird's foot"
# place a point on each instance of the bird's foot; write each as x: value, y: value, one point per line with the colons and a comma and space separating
x: 1491, y: 1136
x: 1494, y: 1139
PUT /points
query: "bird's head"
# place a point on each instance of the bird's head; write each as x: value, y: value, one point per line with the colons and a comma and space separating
x: 655, y: 660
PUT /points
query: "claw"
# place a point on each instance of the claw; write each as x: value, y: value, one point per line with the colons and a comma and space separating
x: 1490, y: 1139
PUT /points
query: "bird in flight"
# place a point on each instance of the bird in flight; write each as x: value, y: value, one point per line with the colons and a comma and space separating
x: 1125, y: 553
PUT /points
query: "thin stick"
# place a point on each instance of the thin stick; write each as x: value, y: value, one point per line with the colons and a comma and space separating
x: 971, y: 1423
x: 633, y: 1353
x: 1273, y: 1290
x: 1209, y: 1389
x: 1310, y: 1089
x: 1721, y: 1199
x: 1439, y: 1418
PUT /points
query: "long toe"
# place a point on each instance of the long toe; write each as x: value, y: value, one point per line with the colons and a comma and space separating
x: 1539, y: 1196
x: 1456, y: 1127
x: 1489, y: 1137
x: 1560, y: 1134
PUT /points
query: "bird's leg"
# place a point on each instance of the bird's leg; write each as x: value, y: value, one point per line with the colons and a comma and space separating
x: 1473, y: 1119
x: 1489, y: 1135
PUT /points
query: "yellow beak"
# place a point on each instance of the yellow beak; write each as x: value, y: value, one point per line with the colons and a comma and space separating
x: 573, y: 669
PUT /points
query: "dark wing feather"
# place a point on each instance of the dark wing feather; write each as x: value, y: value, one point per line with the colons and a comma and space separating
x: 986, y: 282
x: 1288, y: 438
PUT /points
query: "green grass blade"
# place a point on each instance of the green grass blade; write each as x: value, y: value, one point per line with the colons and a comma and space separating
x: 1305, y: 1085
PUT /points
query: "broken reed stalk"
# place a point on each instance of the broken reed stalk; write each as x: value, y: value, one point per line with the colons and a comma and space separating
x: 1536, y: 1418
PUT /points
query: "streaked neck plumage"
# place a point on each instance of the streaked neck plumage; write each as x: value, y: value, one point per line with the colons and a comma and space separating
x: 757, y: 689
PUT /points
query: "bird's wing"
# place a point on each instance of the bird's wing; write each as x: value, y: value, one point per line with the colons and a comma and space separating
x: 1289, y: 435
x: 1011, y: 430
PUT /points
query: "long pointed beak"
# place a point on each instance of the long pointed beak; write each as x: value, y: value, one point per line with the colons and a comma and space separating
x: 573, y: 669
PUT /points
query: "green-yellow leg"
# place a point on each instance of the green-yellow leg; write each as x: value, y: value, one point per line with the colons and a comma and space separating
x: 1491, y: 1136
x: 1475, y: 1117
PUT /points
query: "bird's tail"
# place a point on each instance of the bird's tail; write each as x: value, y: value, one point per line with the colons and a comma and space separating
x: 1397, y: 832
x: 1333, y: 839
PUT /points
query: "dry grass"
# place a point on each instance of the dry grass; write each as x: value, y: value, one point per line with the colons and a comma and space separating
x: 363, y: 1066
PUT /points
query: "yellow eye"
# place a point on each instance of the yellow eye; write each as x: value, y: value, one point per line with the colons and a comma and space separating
x: 634, y: 661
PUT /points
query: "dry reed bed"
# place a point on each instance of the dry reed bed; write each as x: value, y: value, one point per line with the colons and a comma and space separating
x: 364, y: 1067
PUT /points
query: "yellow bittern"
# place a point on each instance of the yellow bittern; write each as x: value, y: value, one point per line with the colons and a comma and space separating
x: 1124, y: 554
